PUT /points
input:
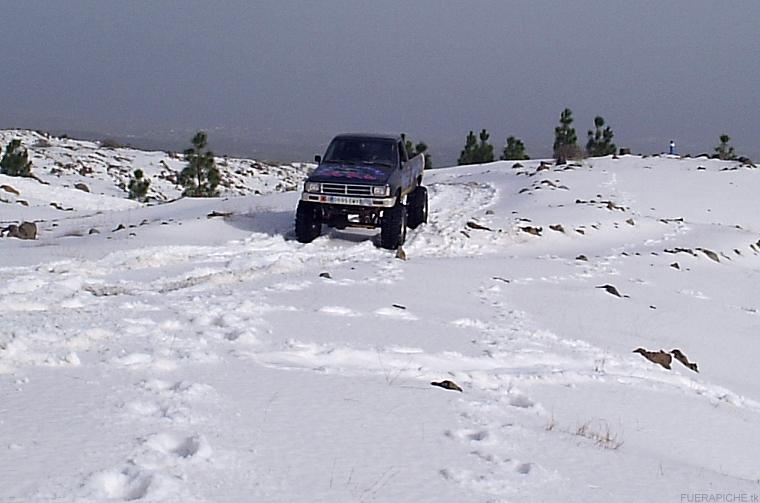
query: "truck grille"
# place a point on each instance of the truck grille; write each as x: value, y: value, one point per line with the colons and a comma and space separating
x: 342, y: 189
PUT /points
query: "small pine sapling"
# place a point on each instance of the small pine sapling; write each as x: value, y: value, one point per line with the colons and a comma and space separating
x: 599, y: 141
x: 200, y: 177
x: 725, y: 151
x: 138, y: 186
x: 15, y: 161
x: 565, y: 140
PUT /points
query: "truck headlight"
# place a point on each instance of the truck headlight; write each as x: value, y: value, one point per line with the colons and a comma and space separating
x: 380, y: 190
x: 312, y: 187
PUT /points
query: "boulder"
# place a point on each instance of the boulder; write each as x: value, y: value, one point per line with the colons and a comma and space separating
x: 26, y: 230
x: 82, y: 187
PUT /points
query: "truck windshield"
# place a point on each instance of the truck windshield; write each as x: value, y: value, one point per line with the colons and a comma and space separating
x: 358, y: 151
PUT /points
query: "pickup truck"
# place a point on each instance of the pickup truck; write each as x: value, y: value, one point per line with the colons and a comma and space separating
x: 364, y: 181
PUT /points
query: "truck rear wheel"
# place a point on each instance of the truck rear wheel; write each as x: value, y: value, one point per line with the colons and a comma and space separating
x: 308, y: 222
x: 393, y: 227
x: 417, y: 207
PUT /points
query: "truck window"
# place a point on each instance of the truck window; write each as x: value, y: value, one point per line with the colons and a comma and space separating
x: 362, y: 151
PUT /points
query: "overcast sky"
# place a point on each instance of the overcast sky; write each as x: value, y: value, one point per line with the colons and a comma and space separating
x: 656, y: 70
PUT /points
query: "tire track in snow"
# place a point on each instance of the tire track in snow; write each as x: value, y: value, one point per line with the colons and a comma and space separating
x: 452, y: 205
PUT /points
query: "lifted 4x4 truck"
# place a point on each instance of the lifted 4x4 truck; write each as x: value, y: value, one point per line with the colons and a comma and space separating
x: 364, y: 181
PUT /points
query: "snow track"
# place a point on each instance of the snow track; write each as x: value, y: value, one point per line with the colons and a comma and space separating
x: 451, y: 207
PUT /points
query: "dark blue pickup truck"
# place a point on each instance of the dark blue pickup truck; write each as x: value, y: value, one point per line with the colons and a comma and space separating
x: 364, y: 181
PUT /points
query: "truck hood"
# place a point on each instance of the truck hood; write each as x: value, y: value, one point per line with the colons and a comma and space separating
x: 350, y: 173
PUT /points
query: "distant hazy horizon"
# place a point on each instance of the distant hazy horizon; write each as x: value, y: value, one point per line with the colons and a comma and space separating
x: 276, y: 79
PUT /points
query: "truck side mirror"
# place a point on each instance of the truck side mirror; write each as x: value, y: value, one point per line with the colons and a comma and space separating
x: 318, y: 159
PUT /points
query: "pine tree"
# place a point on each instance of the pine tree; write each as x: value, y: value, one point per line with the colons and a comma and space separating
x: 565, y: 140
x: 201, y: 176
x: 485, y: 149
x: 138, y: 186
x: 600, y: 140
x: 476, y: 152
x: 724, y: 150
x: 16, y: 161
x: 467, y: 156
x: 514, y: 150
x: 421, y: 148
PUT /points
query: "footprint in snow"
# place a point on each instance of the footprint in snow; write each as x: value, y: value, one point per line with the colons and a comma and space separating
x: 289, y: 287
x: 174, y: 447
x: 128, y: 484
x: 694, y: 293
x: 468, y: 435
x: 392, y: 312
x: 521, y: 401
x: 339, y: 311
x: 143, y: 360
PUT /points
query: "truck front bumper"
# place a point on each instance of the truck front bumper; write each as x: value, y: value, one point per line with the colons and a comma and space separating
x: 367, y: 202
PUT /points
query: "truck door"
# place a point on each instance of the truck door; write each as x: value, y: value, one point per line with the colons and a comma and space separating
x: 406, y: 169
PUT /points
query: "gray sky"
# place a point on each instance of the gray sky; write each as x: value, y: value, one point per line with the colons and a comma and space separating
x: 301, y: 71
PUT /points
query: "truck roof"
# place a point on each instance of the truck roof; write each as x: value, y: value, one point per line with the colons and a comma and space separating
x: 371, y: 136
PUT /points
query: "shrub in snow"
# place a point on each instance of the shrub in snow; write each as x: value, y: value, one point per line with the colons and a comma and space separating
x: 111, y: 143
x: 138, y: 186
x: 724, y: 150
x: 514, y: 150
x: 15, y: 161
x: 201, y: 176
x: 565, y: 139
x: 599, y: 141
x: 476, y: 152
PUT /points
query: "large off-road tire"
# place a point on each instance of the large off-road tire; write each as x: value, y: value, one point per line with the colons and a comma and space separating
x: 417, y: 207
x: 308, y: 222
x: 393, y: 227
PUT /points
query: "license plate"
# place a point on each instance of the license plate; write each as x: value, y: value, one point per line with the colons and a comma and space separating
x: 344, y: 200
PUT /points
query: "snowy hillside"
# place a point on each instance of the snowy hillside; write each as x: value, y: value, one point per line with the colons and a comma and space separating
x: 187, y: 357
x: 63, y: 163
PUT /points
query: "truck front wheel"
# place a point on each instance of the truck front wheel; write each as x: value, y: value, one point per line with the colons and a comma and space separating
x: 417, y: 207
x: 308, y: 222
x: 393, y: 227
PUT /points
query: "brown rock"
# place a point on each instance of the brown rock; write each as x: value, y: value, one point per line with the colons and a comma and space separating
x: 449, y: 385
x: 536, y: 231
x: 611, y: 290
x: 710, y: 254
x: 10, y: 189
x: 660, y: 357
x: 474, y: 225
x: 82, y: 187
x: 684, y: 360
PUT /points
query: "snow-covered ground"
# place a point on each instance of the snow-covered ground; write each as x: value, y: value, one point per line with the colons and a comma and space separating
x: 193, y: 359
